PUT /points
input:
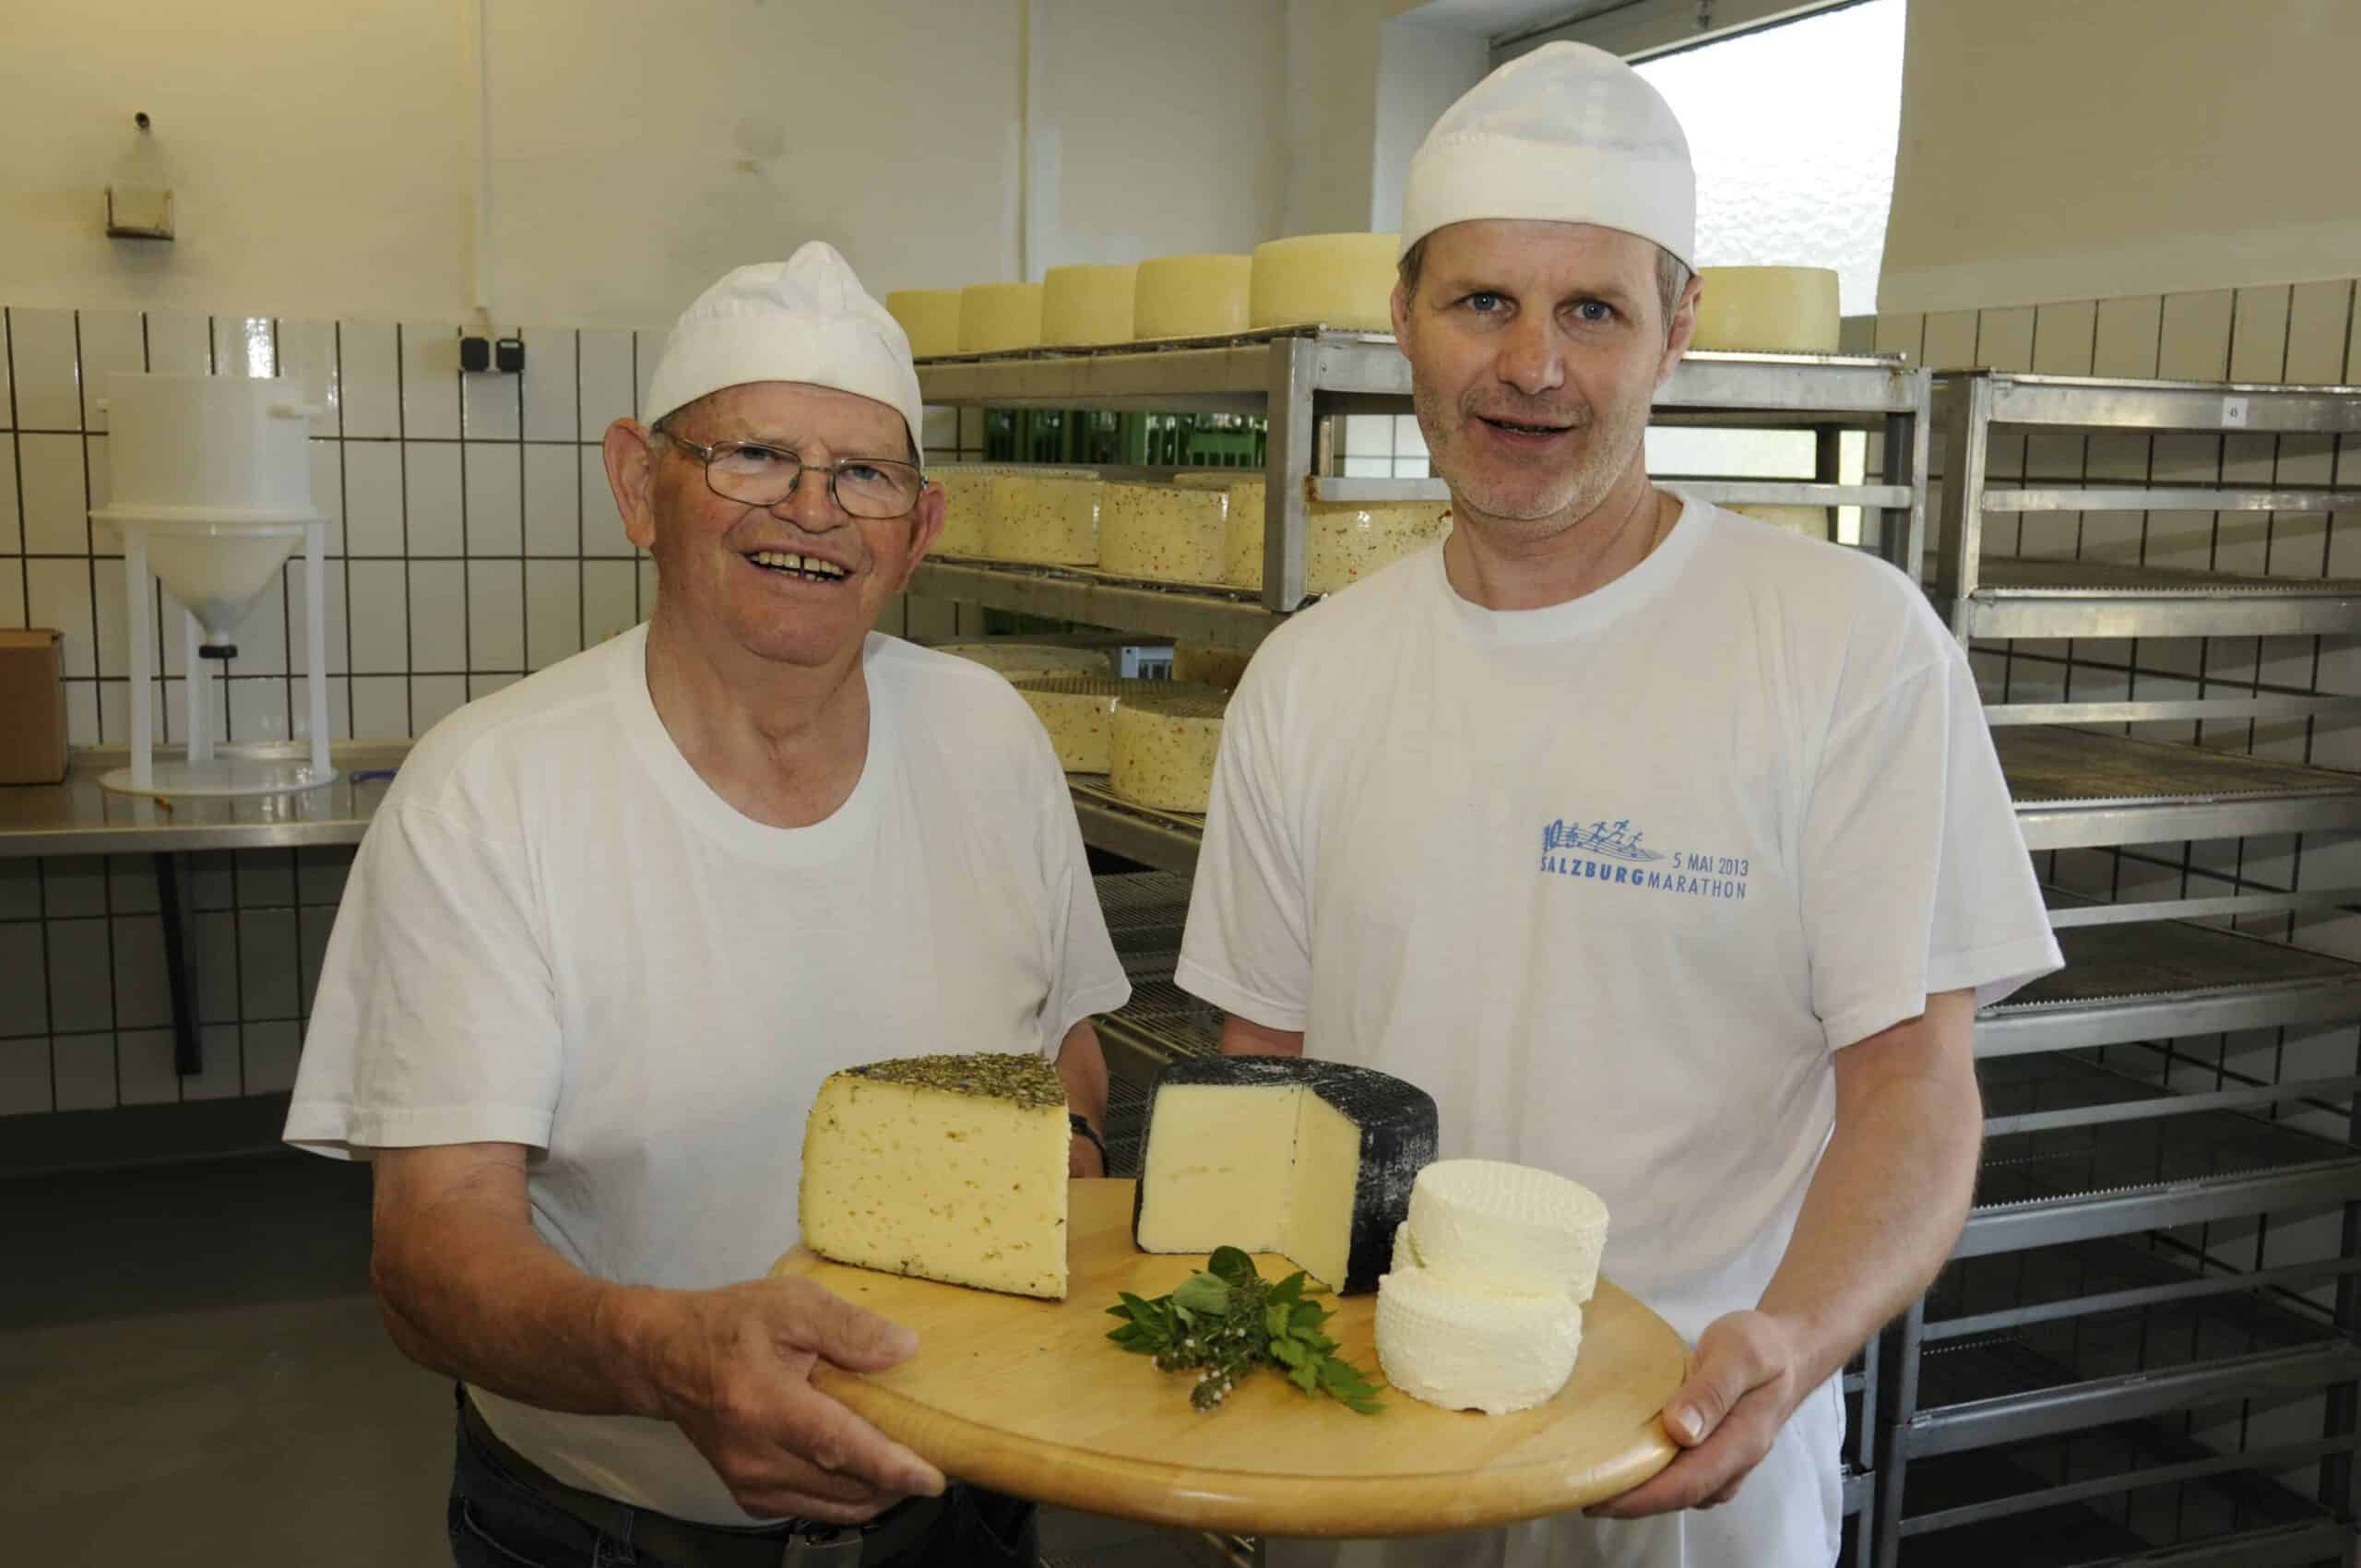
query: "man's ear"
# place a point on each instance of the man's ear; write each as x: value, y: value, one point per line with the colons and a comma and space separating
x: 926, y: 527
x: 629, y: 450
x: 1401, y: 303
x: 1681, y: 327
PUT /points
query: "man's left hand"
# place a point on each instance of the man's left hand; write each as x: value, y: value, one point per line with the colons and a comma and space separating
x: 1743, y: 1385
x: 1082, y: 1157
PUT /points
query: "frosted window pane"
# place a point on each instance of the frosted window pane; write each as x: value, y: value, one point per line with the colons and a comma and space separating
x: 1793, y: 131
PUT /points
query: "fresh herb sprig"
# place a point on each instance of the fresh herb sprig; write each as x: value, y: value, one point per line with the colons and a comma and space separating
x: 1227, y: 1320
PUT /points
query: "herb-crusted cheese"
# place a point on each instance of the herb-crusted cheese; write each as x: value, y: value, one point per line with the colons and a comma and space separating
x: 1167, y: 532
x: 1163, y: 746
x: 1308, y: 1159
x: 1079, y: 713
x: 1343, y: 541
x: 1048, y: 519
x: 1218, y: 666
x: 950, y: 1167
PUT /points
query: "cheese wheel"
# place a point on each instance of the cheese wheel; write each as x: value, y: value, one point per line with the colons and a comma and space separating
x: 996, y: 317
x: 1167, y: 532
x: 1789, y: 310
x: 1078, y: 712
x: 1809, y: 521
x: 966, y: 499
x: 1084, y: 305
x: 931, y: 316
x: 1510, y: 1227
x: 1466, y: 1346
x: 1343, y: 280
x: 1164, y: 747
x: 1344, y: 542
x: 1221, y: 667
x: 1192, y: 296
x: 1050, y: 521
x: 1031, y: 661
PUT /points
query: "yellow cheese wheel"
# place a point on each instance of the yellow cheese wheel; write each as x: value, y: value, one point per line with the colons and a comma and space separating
x: 1345, y: 540
x: 966, y: 500
x: 1192, y: 296
x: 1079, y: 714
x: 1219, y: 667
x: 1163, y: 747
x: 1786, y: 310
x: 1170, y: 532
x: 1345, y: 280
x: 1031, y: 661
x: 995, y: 317
x: 1049, y: 520
x: 931, y: 316
x: 1088, y: 305
x: 1809, y: 521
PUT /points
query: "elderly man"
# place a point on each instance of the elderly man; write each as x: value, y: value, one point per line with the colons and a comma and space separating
x: 1666, y: 848
x: 613, y: 926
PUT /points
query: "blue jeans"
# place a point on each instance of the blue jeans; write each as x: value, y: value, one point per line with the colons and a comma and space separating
x: 496, y: 1521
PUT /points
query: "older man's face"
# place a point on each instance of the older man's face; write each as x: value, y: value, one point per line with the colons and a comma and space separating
x: 719, y: 561
x: 1536, y: 349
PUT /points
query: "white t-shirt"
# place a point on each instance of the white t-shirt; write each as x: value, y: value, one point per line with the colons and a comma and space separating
x: 557, y: 934
x: 1612, y: 880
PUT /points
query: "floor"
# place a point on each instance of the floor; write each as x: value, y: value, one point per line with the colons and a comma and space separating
x: 195, y: 1373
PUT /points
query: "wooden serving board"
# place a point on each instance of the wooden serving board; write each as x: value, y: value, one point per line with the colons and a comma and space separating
x: 1028, y: 1398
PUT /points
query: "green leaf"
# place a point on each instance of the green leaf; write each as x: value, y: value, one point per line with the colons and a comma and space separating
x: 1288, y: 1291
x: 1231, y: 1266
x: 1202, y: 1293
x: 1289, y: 1353
x: 1305, y: 1376
x: 1306, y: 1315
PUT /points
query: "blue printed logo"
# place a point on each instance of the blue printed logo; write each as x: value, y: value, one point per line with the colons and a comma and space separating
x: 1615, y: 854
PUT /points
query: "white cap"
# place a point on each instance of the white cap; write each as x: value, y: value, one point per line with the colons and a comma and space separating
x: 1568, y: 134
x: 805, y: 319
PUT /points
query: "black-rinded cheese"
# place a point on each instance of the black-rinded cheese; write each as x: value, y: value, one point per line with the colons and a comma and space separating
x: 1282, y: 1154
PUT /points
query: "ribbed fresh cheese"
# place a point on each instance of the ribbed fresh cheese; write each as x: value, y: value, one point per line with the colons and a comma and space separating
x: 1509, y: 1227
x: 1343, y: 280
x: 950, y: 1167
x: 1311, y: 1159
x: 1031, y: 661
x: 1809, y: 521
x: 1079, y: 713
x: 1087, y: 304
x: 1218, y: 666
x: 931, y: 316
x: 1344, y: 542
x: 1163, y: 746
x: 1468, y: 1346
x: 995, y: 317
x: 1169, y: 532
x: 1192, y: 296
x: 1767, y: 310
x: 1051, y: 520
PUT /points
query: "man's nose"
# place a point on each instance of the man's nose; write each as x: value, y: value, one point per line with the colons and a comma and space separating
x: 1532, y: 360
x: 810, y: 506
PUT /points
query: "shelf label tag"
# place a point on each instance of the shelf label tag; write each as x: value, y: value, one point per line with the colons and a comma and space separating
x: 2234, y: 413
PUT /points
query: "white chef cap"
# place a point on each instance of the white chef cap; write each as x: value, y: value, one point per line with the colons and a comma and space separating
x: 1567, y: 133
x: 805, y: 319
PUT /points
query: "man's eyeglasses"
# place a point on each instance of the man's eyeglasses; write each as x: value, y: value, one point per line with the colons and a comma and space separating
x: 757, y: 475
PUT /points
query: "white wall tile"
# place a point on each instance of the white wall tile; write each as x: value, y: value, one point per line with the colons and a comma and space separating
x: 649, y: 346
x: 58, y: 595
x: 217, y: 706
x: 2259, y: 335
x: 244, y: 346
x: 258, y: 708
x: 102, y: 486
x: 12, y: 532
x: 56, y: 520
x: 552, y: 501
x: 602, y: 526
x: 131, y: 884
x: 179, y: 344
x: 339, y: 710
x: 24, y: 1002
x: 488, y: 404
x: 81, y: 993
x: 312, y: 927
x: 297, y: 598
x: 430, y: 497
x: 19, y: 893
x: 321, y: 874
x: 77, y: 884
x: 49, y: 393
x: 143, y: 998
x: 430, y: 380
x: 2196, y: 336
x: 609, y: 600
x: 327, y: 488
x: 84, y: 1065
x: 114, y: 712
x: 272, y: 1051
x: 7, y: 381
x: 307, y: 357
x: 369, y: 362
x: 606, y: 383
x: 2128, y: 336
x: 380, y: 707
x: 380, y: 624
x: 112, y: 340
x: 82, y: 713
x: 548, y: 383
x: 481, y: 686
x: 438, y: 617
x: 553, y: 612
x: 267, y: 963
x: 495, y: 502
x: 373, y: 497
x: 434, y: 698
x: 1950, y: 339
x: 496, y: 615
x: 24, y: 1076
x: 224, y: 1070
x: 12, y: 594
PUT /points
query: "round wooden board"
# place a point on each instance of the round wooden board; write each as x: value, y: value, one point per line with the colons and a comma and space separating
x: 1028, y: 1398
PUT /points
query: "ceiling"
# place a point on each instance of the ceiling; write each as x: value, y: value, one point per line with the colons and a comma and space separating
x: 1496, y: 19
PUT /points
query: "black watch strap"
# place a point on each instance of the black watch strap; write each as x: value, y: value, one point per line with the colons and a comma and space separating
x: 1075, y: 1120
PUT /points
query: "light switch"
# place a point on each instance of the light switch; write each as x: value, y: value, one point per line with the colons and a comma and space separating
x: 139, y: 213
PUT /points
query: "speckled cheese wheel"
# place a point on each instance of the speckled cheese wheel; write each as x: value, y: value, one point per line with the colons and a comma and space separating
x: 996, y: 317
x: 966, y: 499
x: 1221, y: 667
x: 1087, y: 304
x: 1345, y: 540
x: 1192, y: 296
x: 1809, y: 521
x: 1164, y: 747
x: 1031, y: 661
x: 1343, y: 280
x: 1047, y: 521
x: 931, y: 316
x: 1787, y: 310
x: 1078, y: 712
x: 1167, y: 532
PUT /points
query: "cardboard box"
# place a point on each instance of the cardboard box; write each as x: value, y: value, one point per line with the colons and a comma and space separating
x: 32, y: 707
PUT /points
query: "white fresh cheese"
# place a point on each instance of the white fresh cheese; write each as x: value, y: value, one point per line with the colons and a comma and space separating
x: 1049, y: 520
x: 1164, y: 745
x: 1166, y: 532
x: 1510, y: 1227
x: 1767, y: 310
x: 1192, y: 296
x: 1466, y: 1346
x: 1341, y: 280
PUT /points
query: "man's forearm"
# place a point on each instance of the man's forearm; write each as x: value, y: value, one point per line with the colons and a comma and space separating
x: 1885, y: 1207
x: 1082, y: 1067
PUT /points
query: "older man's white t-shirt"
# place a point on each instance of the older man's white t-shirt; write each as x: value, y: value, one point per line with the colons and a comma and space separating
x: 1613, y: 880
x: 556, y: 934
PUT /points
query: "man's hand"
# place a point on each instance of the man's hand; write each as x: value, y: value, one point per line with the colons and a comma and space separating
x: 732, y: 1371
x: 1742, y: 1387
x: 1083, y: 1158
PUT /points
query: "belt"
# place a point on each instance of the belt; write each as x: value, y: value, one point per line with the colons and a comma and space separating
x: 793, y: 1543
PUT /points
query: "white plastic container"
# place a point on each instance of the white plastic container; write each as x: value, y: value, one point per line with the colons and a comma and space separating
x: 209, y: 448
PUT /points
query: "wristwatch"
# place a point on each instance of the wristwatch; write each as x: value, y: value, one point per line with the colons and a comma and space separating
x: 1075, y: 1120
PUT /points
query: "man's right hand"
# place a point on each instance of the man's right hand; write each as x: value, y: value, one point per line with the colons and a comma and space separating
x: 733, y: 1367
